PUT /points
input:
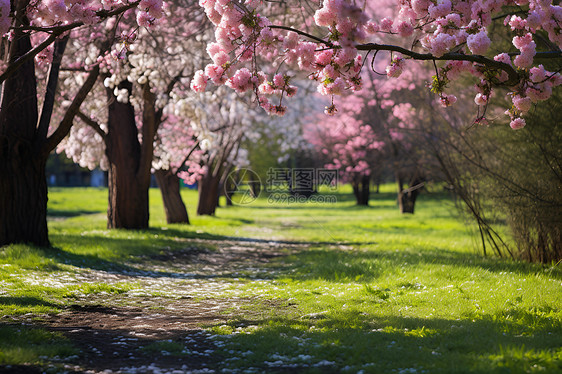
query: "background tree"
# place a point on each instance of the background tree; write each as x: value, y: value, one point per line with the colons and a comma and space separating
x: 221, y: 122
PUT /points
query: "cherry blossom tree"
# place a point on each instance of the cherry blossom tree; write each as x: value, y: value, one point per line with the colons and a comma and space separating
x: 177, y: 156
x: 222, y: 122
x: 151, y: 70
x: 350, y: 145
x: 334, y: 42
x: 34, y: 40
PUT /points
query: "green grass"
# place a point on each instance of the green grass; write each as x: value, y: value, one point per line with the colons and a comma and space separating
x: 24, y: 345
x: 375, y: 291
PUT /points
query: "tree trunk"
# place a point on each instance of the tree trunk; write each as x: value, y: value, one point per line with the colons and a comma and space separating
x: 208, y: 195
x: 128, y: 190
x: 174, y: 207
x: 23, y: 196
x: 23, y: 187
x: 407, y: 198
x: 361, y: 192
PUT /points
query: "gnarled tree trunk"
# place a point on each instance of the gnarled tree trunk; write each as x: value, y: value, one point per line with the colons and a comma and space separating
x: 174, y: 207
x: 23, y: 187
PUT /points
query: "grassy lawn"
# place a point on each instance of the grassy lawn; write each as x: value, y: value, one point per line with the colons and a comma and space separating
x: 373, y: 291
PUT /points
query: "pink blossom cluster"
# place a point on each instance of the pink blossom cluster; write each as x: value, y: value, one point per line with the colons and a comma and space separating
x: 448, y: 24
x: 538, y: 88
x: 148, y: 12
x: 51, y: 13
x: 245, y: 39
x: 243, y: 35
x: 394, y: 70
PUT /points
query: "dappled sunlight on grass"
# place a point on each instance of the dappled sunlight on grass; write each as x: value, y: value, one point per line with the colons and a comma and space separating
x: 336, y: 288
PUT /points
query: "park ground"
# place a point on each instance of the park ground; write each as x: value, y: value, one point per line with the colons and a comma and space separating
x: 271, y: 287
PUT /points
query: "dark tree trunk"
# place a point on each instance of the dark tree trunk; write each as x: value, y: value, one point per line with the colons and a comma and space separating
x: 128, y: 189
x: 360, y: 186
x: 174, y: 207
x: 23, y: 188
x: 23, y: 196
x: 208, y: 195
x: 407, y: 197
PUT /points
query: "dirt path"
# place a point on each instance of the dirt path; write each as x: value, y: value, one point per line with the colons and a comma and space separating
x: 175, y: 294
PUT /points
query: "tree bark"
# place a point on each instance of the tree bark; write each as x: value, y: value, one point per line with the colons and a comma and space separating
x: 128, y: 189
x: 174, y: 207
x: 208, y: 195
x: 407, y: 197
x: 23, y: 195
x: 23, y: 187
x: 361, y: 191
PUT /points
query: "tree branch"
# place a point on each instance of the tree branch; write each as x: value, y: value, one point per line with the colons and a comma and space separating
x: 56, y: 31
x: 71, y: 112
x: 93, y: 124
x: 315, y: 38
x: 187, y: 157
x: 50, y: 92
x: 149, y: 127
x: 451, y: 56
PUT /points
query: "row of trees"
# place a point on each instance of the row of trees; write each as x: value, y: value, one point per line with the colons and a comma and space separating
x: 114, y: 79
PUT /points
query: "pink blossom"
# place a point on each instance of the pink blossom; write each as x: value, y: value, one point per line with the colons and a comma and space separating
x: 525, y: 59
x: 522, y: 42
x: 503, y: 57
x: 371, y: 27
x: 420, y: 7
x: 517, y: 123
x: 538, y: 74
x: 240, y: 81
x: 447, y: 100
x: 481, y: 99
x: 394, y: 70
x: 199, y: 82
x: 325, y: 57
x: 441, y: 44
x: 478, y: 43
x: 144, y: 19
x: 405, y: 29
x: 523, y: 104
x: 441, y: 9
x: 517, y: 23
x: 291, y: 41
x: 215, y: 73
x: 386, y: 25
x: 266, y: 88
x: 278, y: 80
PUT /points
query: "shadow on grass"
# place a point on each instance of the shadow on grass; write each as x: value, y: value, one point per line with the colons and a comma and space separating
x: 62, y: 213
x: 25, y: 301
x: 341, y: 266
x: 392, y: 344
